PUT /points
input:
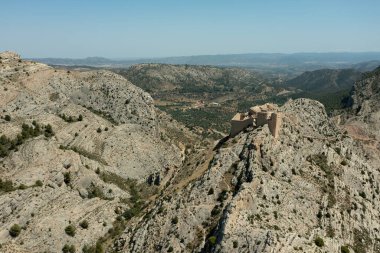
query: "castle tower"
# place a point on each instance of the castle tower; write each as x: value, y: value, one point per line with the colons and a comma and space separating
x: 274, y: 124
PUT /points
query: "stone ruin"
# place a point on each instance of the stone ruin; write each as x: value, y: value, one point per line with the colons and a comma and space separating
x: 257, y: 116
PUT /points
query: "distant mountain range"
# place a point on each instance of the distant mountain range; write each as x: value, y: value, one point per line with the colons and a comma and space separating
x: 306, y: 61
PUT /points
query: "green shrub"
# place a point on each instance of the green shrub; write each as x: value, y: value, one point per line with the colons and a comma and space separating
x: 222, y: 196
x: 175, y: 220
x: 67, y: 177
x: 68, y: 249
x: 99, y: 130
x: 6, y: 186
x: 98, y: 248
x: 84, y: 224
x: 7, y: 117
x: 319, y: 242
x: 39, y: 183
x: 22, y: 187
x: 70, y: 230
x: 15, y: 230
x: 235, y: 244
x: 319, y: 214
x: 95, y: 192
x: 344, y: 249
x: 49, y: 130
x: 80, y: 117
x: 215, y: 211
x: 212, y: 240
x: 170, y: 249
x: 211, y: 191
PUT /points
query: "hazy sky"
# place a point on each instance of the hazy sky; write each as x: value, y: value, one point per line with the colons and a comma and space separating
x: 142, y: 28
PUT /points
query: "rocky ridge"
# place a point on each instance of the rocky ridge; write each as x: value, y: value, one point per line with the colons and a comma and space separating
x: 310, y: 190
x: 107, y: 140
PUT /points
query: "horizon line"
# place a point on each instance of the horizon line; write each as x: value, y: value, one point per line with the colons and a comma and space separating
x: 200, y: 55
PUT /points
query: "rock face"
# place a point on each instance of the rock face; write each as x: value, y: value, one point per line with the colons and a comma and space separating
x: 311, y: 190
x: 362, y: 118
x: 107, y: 138
x: 365, y: 102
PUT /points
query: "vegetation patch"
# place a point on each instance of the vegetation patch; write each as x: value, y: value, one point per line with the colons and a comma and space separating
x: 71, y: 119
x: 105, y: 116
x: 135, y: 202
x: 68, y: 249
x: 344, y: 249
x: 94, y: 191
x: 321, y: 161
x: 84, y: 224
x: 15, y: 230
x: 97, y: 248
x: 319, y: 242
x: 362, y: 240
x: 70, y: 230
x: 27, y: 132
x: 85, y: 153
x: 6, y: 186
x: 208, y: 117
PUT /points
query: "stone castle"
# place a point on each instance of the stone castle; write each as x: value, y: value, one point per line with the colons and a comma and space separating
x: 257, y: 116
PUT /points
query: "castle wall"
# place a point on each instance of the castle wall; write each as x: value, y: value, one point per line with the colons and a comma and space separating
x: 262, y: 118
x: 239, y: 125
x: 242, y: 120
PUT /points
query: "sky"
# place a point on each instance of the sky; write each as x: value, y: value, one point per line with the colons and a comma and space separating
x: 160, y: 28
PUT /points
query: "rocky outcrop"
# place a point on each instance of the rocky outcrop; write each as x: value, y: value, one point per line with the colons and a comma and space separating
x: 311, y: 186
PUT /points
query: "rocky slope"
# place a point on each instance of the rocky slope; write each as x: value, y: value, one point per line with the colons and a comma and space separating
x: 75, y: 147
x: 362, y: 118
x: 310, y: 190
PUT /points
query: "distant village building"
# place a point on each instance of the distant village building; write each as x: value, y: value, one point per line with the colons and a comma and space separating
x: 214, y: 104
x: 199, y: 104
x: 257, y: 116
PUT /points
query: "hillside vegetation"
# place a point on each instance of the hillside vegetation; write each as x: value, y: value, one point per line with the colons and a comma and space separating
x: 324, y: 80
